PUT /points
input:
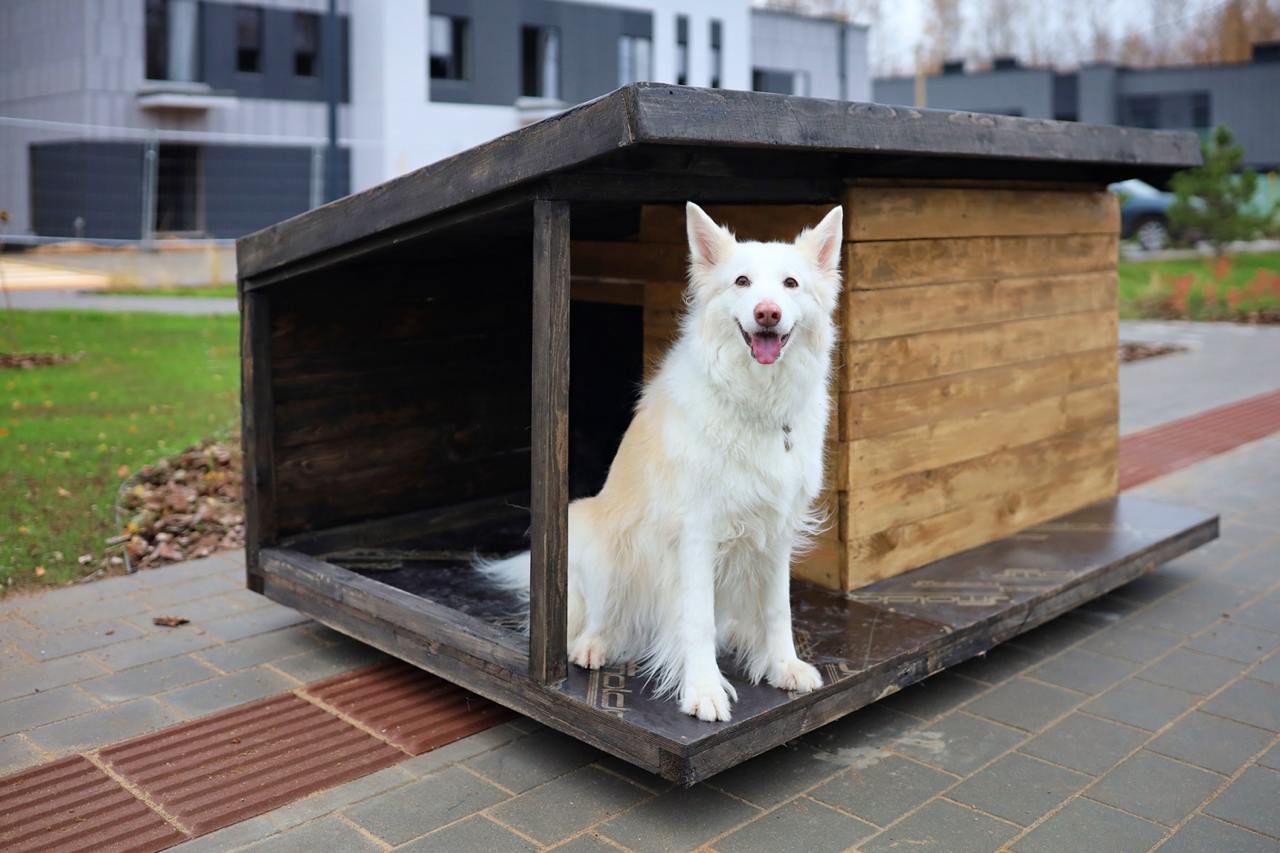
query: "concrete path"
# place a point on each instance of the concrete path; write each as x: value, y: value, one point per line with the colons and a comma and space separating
x: 74, y: 300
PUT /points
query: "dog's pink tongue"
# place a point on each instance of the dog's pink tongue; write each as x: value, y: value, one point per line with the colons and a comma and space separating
x: 766, y: 348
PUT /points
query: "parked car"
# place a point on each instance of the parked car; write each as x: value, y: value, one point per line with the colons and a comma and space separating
x: 1144, y: 214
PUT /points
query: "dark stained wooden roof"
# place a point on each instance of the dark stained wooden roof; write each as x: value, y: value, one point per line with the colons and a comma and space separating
x: 650, y: 142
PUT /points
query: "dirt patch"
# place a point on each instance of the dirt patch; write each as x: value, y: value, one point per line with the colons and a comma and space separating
x: 186, y: 506
x: 1139, y: 350
x: 29, y: 360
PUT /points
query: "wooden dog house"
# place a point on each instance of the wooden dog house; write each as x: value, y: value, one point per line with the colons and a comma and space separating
x: 413, y: 394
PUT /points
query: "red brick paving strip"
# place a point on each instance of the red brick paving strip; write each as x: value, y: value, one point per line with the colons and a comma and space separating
x: 1175, y: 445
x: 72, y: 805
x: 229, y: 767
x: 413, y: 709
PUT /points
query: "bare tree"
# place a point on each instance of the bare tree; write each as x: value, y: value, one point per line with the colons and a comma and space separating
x: 943, y: 28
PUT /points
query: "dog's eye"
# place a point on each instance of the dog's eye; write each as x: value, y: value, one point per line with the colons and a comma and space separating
x: 743, y: 281
x: 790, y: 282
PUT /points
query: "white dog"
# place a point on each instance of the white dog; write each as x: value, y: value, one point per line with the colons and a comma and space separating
x: 687, y: 548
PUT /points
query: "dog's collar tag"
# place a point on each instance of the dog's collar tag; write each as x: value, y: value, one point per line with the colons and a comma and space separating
x: 786, y: 437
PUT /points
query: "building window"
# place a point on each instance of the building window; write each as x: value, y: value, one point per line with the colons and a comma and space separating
x: 717, y: 61
x: 306, y: 44
x: 172, y: 40
x: 780, y: 82
x: 635, y: 59
x: 448, y: 38
x: 1167, y: 111
x: 540, y: 62
x: 682, y: 50
x: 178, y: 189
x: 248, y: 39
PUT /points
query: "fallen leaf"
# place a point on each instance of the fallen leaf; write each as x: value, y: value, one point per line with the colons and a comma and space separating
x: 39, y: 571
x: 171, y: 621
x: 122, y: 471
x: 63, y: 493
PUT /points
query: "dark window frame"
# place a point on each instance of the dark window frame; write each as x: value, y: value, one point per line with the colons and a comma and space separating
x: 307, y: 27
x: 682, y: 50
x: 456, y: 66
x: 717, y: 56
x: 532, y: 62
x: 248, y: 55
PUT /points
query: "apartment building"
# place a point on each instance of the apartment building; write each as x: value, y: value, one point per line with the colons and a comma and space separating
x: 127, y: 118
x: 1241, y: 96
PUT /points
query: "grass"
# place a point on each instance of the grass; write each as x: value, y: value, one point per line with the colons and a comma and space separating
x: 1246, y: 286
x: 146, y: 386
x: 206, y: 290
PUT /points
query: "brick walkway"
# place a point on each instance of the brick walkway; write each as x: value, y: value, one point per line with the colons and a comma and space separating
x: 1150, y: 717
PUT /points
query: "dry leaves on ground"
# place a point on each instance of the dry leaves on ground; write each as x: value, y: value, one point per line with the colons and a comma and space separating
x: 1137, y: 350
x: 28, y: 360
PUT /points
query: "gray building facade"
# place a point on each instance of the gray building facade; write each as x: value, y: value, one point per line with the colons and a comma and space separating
x: 1242, y: 96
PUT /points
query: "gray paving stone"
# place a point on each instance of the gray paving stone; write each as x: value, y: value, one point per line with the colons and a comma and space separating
x: 1085, y: 743
x: 799, y: 825
x: 17, y: 753
x: 935, y: 696
x: 1192, y: 609
x: 1054, y: 636
x: 233, y: 837
x: 263, y: 648
x: 649, y: 781
x: 460, y: 750
x: 1212, y: 742
x: 476, y: 834
x: 1236, y: 642
x: 587, y: 843
x: 1133, y: 644
x: 961, y: 743
x: 1151, y: 587
x: 1268, y: 670
x: 201, y: 611
x: 1191, y: 671
x: 1249, y: 702
x: 1202, y: 834
x: 1024, y: 704
x: 1141, y: 703
x: 177, y: 641
x: 1086, y: 825
x: 328, y: 661
x: 149, y: 679
x: 1264, y: 614
x: 45, y: 676
x: 884, y: 791
x: 219, y: 693
x: 1103, y: 612
x: 777, y: 775
x: 867, y: 729
x: 1018, y: 788
x: 1000, y: 664
x: 943, y: 826
x: 261, y: 621
x: 45, y: 647
x: 532, y: 760
x: 27, y: 712
x: 680, y: 819
x: 1155, y: 788
x: 415, y: 809
x: 1257, y: 570
x: 62, y: 618
x: 1271, y: 758
x: 1081, y: 670
x: 1250, y: 801
x: 189, y: 590
x: 326, y: 834
x: 565, y: 806
x: 336, y: 799
x: 99, y: 728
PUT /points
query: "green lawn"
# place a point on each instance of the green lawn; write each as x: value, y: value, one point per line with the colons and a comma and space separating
x: 147, y: 386
x: 1197, y: 289
x: 216, y: 290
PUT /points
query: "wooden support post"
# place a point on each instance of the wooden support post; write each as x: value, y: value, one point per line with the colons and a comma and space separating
x: 257, y: 419
x: 549, y: 474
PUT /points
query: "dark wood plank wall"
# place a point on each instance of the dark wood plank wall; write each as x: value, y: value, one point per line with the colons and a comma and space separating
x: 396, y: 390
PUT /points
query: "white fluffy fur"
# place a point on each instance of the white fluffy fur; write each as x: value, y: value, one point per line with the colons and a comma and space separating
x: 686, y: 551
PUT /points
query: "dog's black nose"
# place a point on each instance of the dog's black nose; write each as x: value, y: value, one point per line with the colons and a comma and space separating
x: 768, y: 314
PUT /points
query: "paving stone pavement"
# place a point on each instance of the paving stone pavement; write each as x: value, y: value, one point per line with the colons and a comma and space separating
x: 1149, y: 719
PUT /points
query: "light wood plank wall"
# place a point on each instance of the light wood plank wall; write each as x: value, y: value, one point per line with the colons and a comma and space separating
x: 976, y: 384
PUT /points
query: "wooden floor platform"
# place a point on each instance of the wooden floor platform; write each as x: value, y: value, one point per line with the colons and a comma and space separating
x: 411, y: 597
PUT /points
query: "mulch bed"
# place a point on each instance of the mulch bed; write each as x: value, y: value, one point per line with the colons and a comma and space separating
x: 1139, y: 350
x: 186, y: 506
x: 28, y: 360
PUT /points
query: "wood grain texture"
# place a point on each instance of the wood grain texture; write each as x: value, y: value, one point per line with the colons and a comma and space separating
x: 910, y: 358
x: 665, y: 223
x: 890, y: 408
x: 910, y: 263
x: 910, y: 213
x: 257, y: 431
x: 629, y: 261
x: 898, y: 311
x: 549, y: 472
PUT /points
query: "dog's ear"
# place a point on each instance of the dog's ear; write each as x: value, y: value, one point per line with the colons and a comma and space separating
x: 709, y: 243
x: 822, y: 243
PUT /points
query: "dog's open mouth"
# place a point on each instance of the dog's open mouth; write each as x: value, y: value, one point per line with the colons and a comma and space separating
x: 766, y: 347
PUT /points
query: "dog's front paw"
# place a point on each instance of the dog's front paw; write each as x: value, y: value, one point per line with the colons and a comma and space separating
x: 705, y: 700
x: 589, y: 651
x: 795, y: 675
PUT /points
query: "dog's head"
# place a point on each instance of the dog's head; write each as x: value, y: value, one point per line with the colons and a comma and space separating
x: 770, y: 297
